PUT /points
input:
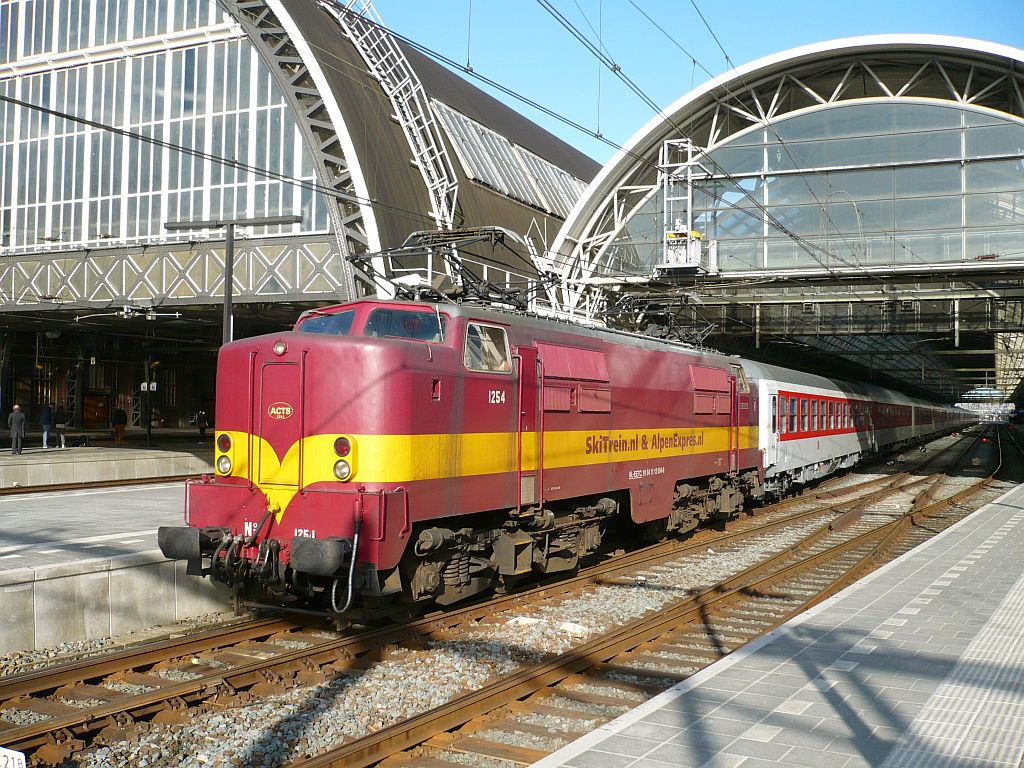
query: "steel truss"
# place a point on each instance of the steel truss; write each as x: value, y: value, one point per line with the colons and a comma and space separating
x: 267, y: 270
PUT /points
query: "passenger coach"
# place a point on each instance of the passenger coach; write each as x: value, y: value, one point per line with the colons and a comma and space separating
x: 811, y: 426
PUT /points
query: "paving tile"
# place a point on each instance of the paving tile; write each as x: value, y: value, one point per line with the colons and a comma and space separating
x: 761, y: 749
x: 595, y: 759
x: 813, y: 758
x: 689, y: 753
x: 761, y: 732
x: 651, y: 731
x: 720, y: 726
x: 755, y: 701
x: 624, y: 745
x: 872, y: 749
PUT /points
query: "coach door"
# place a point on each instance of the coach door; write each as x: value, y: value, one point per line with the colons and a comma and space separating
x: 530, y: 438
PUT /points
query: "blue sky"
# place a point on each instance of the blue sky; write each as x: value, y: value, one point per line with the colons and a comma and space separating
x: 520, y: 45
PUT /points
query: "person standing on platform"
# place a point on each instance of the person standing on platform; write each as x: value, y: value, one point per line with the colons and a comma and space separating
x: 60, y: 423
x: 119, y: 421
x: 16, y: 422
x: 202, y: 424
x: 46, y: 422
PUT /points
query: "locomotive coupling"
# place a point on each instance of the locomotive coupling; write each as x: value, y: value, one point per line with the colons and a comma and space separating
x: 180, y: 543
x: 320, y: 557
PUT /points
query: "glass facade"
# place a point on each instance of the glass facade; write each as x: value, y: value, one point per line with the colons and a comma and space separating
x: 866, y: 183
x: 489, y: 157
x: 176, y: 71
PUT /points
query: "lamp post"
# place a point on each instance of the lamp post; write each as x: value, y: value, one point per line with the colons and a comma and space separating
x: 229, y: 251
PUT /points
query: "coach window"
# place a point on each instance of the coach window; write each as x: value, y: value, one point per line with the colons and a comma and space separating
x: 846, y: 415
x: 487, y: 349
x: 814, y: 415
x: 792, y: 414
x: 775, y: 413
x: 782, y: 415
x: 803, y: 414
x: 831, y: 414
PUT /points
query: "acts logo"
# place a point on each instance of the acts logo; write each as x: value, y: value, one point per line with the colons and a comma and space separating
x: 280, y: 410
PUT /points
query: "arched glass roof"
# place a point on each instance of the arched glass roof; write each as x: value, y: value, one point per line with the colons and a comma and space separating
x: 851, y: 173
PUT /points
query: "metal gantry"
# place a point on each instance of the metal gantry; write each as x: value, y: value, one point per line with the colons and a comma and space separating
x: 390, y: 67
x: 321, y: 121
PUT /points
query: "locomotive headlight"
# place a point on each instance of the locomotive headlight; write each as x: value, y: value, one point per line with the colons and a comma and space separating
x: 280, y: 347
x: 223, y: 443
x: 342, y: 447
x: 342, y: 470
x: 224, y: 465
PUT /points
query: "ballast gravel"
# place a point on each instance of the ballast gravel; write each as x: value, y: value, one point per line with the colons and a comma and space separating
x: 557, y: 723
x: 22, y: 716
x: 521, y: 739
x: 19, y: 662
x: 479, y: 761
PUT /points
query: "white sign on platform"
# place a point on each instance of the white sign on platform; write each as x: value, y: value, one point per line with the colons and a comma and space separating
x: 11, y: 759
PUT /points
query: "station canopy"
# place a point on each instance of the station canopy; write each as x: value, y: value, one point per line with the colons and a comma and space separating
x: 854, y: 207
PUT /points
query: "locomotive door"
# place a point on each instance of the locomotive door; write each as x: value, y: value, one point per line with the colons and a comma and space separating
x: 530, y: 438
x: 734, y: 419
x: 734, y: 427
x: 279, y: 426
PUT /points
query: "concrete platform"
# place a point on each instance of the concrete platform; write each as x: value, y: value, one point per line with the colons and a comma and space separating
x: 80, y: 564
x: 919, y: 664
x: 177, y: 455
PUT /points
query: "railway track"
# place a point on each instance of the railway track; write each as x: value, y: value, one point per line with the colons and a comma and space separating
x: 56, y: 713
x: 519, y: 720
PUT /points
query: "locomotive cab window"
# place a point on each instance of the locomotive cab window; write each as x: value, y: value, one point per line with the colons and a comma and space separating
x: 405, y: 324
x: 334, y: 324
x: 487, y: 349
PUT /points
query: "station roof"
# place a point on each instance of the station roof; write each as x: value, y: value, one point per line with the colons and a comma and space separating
x: 940, y: 330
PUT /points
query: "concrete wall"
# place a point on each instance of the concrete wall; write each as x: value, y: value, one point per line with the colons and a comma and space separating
x: 81, y: 465
x: 44, y: 607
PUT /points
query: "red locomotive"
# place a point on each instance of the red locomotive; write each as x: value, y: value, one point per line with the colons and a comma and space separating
x: 386, y: 452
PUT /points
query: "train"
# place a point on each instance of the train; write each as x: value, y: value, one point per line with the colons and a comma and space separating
x: 387, y: 455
